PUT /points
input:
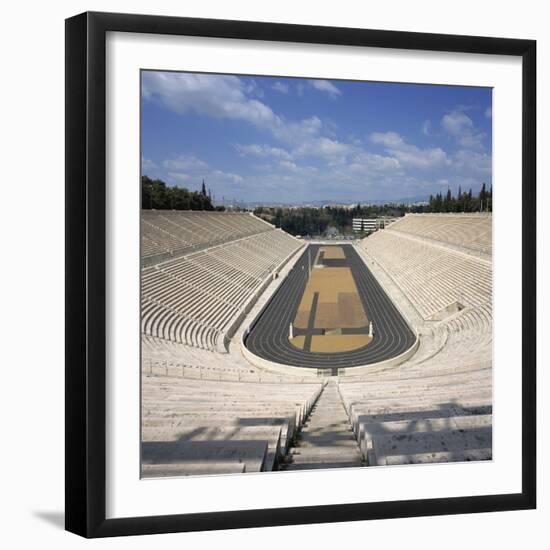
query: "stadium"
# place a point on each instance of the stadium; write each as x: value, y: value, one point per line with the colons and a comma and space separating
x: 262, y: 351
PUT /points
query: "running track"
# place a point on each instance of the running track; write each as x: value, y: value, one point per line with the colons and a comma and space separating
x: 268, y: 337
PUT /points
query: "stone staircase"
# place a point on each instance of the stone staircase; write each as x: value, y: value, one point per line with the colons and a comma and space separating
x: 326, y: 439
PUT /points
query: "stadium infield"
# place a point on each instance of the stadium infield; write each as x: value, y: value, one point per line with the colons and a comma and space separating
x: 335, y: 336
x: 330, y: 303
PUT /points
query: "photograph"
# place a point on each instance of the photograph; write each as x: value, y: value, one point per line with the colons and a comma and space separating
x: 284, y: 286
x: 316, y: 273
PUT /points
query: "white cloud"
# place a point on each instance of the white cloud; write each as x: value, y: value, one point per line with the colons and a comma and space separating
x: 262, y: 151
x: 225, y: 97
x: 179, y: 176
x: 297, y: 168
x: 473, y: 162
x: 252, y: 88
x: 461, y: 127
x: 188, y: 168
x: 330, y: 150
x: 280, y: 87
x: 216, y: 175
x: 410, y: 155
x: 219, y: 96
x: 324, y: 147
x: 365, y: 162
x: 489, y: 112
x: 303, y: 138
x: 457, y: 123
x: 185, y: 163
x: 147, y: 164
x: 326, y: 86
x: 307, y: 127
x: 422, y: 158
x: 289, y: 165
x: 390, y: 140
x: 474, y: 141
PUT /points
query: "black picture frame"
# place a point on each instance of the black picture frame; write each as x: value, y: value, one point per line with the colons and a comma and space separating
x: 86, y: 274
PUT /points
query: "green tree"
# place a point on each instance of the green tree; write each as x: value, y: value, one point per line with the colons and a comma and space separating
x: 156, y: 194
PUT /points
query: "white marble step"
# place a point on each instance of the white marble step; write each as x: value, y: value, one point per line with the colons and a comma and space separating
x: 326, y: 440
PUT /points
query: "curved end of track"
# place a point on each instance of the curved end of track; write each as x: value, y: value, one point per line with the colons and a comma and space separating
x: 268, y: 340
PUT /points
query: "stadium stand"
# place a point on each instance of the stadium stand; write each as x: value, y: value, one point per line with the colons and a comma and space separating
x: 434, y: 408
x: 471, y: 232
x: 198, y: 426
x: 171, y: 233
x: 196, y: 298
x: 407, y: 422
x: 432, y: 277
x: 165, y: 358
x: 206, y: 410
x: 437, y: 406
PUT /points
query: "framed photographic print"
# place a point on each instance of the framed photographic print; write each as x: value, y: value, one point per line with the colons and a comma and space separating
x: 300, y: 274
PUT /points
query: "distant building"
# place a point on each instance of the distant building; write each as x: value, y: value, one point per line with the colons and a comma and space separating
x: 367, y: 225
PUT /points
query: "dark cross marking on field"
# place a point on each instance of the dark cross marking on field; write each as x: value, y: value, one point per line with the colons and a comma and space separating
x: 311, y: 331
x: 311, y: 322
x: 355, y: 330
x: 335, y: 262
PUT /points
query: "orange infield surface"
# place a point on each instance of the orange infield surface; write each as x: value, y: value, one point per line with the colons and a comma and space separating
x: 338, y: 306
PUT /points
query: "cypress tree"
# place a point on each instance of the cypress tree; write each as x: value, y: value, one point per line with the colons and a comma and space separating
x: 448, y: 201
x: 483, y: 193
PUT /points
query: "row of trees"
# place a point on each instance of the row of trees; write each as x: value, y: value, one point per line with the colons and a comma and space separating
x: 156, y: 194
x: 323, y: 220
x: 343, y: 216
x: 338, y: 219
x: 462, y: 202
x: 312, y: 220
x: 302, y: 221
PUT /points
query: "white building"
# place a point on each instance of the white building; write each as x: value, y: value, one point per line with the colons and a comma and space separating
x: 365, y: 225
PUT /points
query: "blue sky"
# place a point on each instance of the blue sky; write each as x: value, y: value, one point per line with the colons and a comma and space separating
x: 272, y: 139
